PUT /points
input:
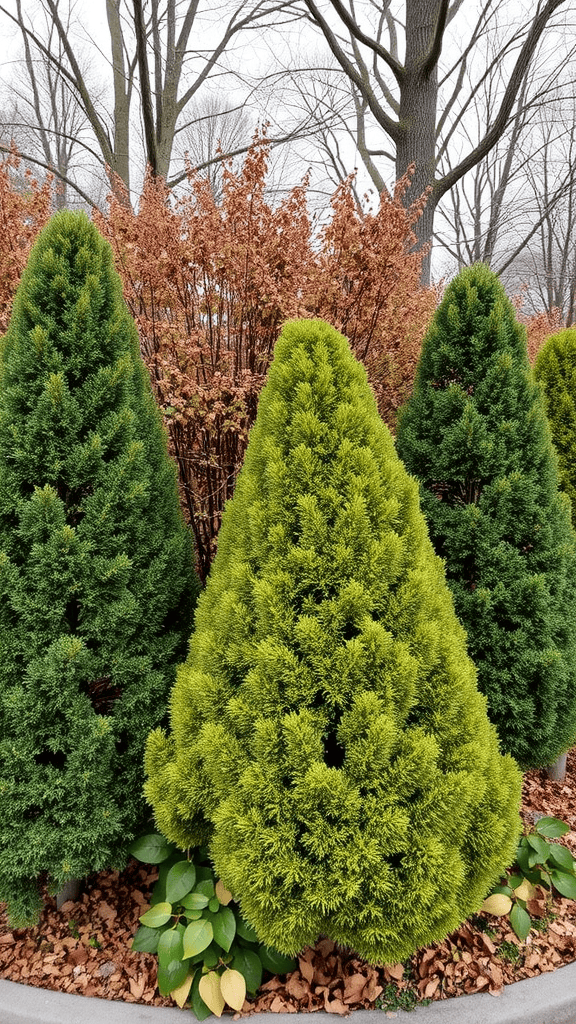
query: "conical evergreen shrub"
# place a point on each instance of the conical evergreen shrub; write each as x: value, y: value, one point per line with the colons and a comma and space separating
x: 476, y: 436
x: 555, y: 369
x: 96, y: 571
x: 328, y: 739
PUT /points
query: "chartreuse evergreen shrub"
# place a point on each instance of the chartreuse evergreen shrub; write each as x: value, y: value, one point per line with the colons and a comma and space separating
x: 555, y: 369
x: 476, y: 436
x: 96, y: 577
x: 328, y: 740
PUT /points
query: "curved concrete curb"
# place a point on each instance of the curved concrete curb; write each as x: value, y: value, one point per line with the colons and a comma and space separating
x: 547, y: 999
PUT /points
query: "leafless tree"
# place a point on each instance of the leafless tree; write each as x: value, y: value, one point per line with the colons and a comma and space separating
x: 160, y: 58
x: 420, y: 100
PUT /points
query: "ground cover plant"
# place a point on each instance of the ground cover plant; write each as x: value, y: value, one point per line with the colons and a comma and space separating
x: 327, y: 738
x: 207, y: 954
x: 475, y: 434
x: 555, y: 369
x: 96, y: 570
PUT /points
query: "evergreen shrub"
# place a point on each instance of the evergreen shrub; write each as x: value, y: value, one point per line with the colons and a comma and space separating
x: 476, y: 436
x: 96, y: 571
x: 555, y: 369
x: 328, y: 740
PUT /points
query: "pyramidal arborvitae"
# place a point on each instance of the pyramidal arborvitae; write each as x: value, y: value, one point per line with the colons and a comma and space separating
x: 327, y: 737
x: 475, y: 434
x: 96, y: 570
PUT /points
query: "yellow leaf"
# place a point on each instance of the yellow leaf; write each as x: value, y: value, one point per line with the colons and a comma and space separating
x: 525, y: 891
x: 209, y: 989
x: 181, y: 993
x: 233, y: 988
x: 223, y: 895
x: 497, y: 904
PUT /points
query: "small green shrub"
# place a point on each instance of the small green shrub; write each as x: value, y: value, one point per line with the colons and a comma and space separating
x: 538, y: 862
x: 207, y: 954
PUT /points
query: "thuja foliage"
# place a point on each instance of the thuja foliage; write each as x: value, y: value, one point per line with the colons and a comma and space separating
x: 96, y: 578
x: 555, y: 369
x: 475, y: 434
x: 327, y: 737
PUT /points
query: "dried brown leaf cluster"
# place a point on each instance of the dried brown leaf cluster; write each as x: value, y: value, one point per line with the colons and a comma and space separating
x: 25, y: 206
x: 210, y: 281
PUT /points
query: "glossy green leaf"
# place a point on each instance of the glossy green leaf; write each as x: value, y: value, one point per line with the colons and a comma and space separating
x: 159, y: 891
x: 146, y: 940
x: 224, y: 926
x: 276, y: 962
x: 192, y: 915
x: 205, y: 886
x: 245, y: 930
x: 212, y: 955
x: 552, y: 828
x: 214, y: 905
x: 566, y: 884
x: 520, y: 921
x: 250, y: 966
x: 195, y: 901
x: 541, y: 849
x: 151, y: 849
x: 561, y: 857
x: 181, y: 879
x: 171, y: 976
x: 197, y: 937
x: 158, y: 915
x: 170, y: 947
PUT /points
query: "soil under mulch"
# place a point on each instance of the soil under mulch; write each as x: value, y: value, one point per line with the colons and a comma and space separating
x: 85, y: 947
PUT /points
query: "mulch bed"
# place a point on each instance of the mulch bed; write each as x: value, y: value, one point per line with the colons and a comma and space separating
x: 85, y: 947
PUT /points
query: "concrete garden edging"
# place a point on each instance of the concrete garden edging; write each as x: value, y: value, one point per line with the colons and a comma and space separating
x: 547, y: 999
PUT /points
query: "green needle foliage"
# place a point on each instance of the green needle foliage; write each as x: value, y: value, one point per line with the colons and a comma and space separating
x: 555, y: 369
x: 96, y: 575
x: 328, y: 739
x: 475, y: 434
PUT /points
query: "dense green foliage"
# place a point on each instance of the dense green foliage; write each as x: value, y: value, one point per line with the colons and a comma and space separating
x: 476, y: 436
x: 328, y: 739
x: 206, y: 951
x: 96, y: 576
x: 555, y: 369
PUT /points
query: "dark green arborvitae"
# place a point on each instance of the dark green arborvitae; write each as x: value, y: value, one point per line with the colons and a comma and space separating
x: 555, y: 369
x: 328, y: 739
x: 96, y: 577
x: 475, y: 434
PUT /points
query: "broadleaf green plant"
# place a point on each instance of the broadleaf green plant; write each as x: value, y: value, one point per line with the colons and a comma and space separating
x: 328, y: 741
x: 207, y: 954
x: 97, y: 584
x: 475, y: 435
x: 538, y: 862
